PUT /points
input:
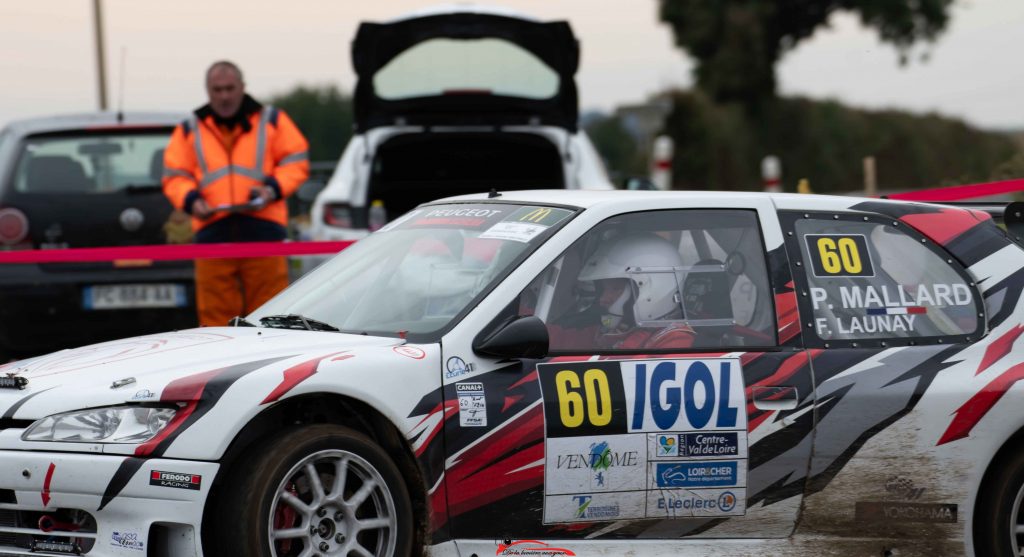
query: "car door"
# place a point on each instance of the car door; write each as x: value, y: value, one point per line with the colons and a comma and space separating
x: 688, y: 415
x: 898, y: 322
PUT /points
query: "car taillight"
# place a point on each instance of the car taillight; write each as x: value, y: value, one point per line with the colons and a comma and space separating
x: 338, y: 214
x: 13, y: 226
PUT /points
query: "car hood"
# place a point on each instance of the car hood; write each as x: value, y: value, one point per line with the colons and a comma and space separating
x: 465, y: 96
x: 139, y: 369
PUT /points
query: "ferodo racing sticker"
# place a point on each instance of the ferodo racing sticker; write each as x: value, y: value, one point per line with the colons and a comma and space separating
x: 175, y: 479
x: 644, y: 439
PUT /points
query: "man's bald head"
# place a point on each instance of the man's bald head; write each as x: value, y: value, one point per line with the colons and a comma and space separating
x: 224, y: 66
x: 225, y: 88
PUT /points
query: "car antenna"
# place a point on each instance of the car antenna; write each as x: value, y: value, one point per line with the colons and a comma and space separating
x: 494, y: 193
x: 120, y: 94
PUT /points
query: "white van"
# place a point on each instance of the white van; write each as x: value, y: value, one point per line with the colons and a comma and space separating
x: 457, y: 100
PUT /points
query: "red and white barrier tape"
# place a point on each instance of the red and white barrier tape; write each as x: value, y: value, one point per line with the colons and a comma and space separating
x: 169, y: 252
x: 957, y: 193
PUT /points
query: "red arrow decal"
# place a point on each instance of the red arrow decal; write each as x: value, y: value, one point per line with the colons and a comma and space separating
x: 46, y: 484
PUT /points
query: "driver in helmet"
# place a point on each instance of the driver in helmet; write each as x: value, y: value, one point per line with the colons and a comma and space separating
x: 634, y: 292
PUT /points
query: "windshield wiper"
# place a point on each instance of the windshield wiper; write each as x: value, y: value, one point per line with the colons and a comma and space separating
x: 295, y: 321
x: 239, y: 321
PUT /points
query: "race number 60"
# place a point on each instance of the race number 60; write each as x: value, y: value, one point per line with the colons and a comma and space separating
x: 834, y: 255
x: 588, y: 399
x: 841, y: 255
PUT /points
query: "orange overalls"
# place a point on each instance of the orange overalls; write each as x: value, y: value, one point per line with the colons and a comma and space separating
x: 222, y: 164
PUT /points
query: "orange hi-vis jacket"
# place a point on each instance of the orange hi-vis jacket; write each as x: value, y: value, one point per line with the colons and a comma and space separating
x: 201, y: 162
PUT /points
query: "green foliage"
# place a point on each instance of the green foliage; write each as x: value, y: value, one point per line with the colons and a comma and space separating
x: 719, y: 146
x: 617, y: 147
x: 324, y: 114
x: 736, y: 43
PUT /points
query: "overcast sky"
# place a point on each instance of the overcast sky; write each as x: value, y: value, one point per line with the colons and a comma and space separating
x: 47, y: 54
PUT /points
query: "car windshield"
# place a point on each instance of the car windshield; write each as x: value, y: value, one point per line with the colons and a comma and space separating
x: 419, y: 273
x: 447, y: 66
x: 98, y: 162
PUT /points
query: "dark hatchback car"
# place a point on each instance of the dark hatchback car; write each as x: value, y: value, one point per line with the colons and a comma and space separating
x: 79, y: 181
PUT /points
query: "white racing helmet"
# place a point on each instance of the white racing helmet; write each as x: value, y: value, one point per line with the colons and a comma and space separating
x: 650, y: 262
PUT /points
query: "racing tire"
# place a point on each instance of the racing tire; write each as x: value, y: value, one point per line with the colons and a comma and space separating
x: 999, y: 516
x: 323, y: 487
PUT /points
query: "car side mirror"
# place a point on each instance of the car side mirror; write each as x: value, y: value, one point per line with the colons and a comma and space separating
x: 1013, y: 218
x: 309, y: 190
x: 523, y: 337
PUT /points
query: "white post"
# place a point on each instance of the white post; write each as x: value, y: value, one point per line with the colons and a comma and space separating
x: 771, y: 174
x: 870, y: 178
x: 661, y: 167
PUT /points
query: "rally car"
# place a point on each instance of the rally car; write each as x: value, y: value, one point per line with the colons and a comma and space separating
x: 559, y: 373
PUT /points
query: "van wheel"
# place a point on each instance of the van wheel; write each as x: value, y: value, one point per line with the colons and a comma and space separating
x: 317, y: 490
x: 998, y: 517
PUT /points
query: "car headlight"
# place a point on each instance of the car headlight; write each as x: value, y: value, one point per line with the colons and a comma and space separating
x: 115, y: 424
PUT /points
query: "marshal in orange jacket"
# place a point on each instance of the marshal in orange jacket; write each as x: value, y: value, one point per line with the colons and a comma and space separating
x: 201, y: 161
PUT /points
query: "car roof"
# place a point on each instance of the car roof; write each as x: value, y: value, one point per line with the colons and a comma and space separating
x: 593, y: 198
x: 84, y: 121
x: 444, y: 9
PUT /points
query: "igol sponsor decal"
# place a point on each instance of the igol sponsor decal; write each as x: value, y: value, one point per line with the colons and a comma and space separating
x: 175, y: 479
x: 533, y: 548
x: 898, y: 511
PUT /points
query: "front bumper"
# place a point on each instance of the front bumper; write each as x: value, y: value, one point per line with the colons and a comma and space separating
x: 140, y: 507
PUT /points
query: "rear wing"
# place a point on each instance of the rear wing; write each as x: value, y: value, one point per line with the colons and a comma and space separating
x: 1011, y: 215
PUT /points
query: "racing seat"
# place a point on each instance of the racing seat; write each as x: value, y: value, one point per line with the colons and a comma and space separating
x: 57, y: 174
x: 707, y: 303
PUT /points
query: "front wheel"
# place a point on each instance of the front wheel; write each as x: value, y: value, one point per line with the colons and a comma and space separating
x: 999, y: 518
x: 320, y: 490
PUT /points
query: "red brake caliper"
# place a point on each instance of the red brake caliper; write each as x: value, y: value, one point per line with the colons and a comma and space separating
x: 284, y: 517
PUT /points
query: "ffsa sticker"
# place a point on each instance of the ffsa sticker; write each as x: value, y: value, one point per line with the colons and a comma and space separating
x: 472, y: 404
x: 839, y: 255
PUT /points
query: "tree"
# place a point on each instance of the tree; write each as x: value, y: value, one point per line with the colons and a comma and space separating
x: 324, y: 114
x: 736, y: 43
x: 617, y: 147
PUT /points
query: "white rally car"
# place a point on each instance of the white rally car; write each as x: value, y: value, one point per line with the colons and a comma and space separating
x: 559, y: 373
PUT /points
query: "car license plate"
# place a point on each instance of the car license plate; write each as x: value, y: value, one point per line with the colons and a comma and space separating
x: 129, y: 296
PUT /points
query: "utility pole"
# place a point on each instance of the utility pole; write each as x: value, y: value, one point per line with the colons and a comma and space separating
x: 101, y: 59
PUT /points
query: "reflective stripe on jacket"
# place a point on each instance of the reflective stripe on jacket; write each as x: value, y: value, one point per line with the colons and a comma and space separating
x: 198, y: 163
